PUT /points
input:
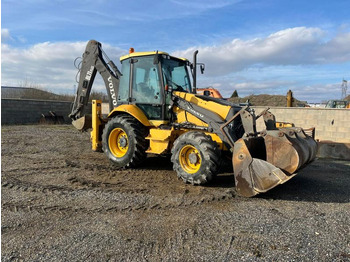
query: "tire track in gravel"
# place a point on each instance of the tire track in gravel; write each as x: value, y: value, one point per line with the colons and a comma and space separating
x: 66, y: 193
x: 54, y: 168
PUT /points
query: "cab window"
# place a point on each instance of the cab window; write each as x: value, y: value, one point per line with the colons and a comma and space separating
x: 123, y: 94
x: 146, y: 84
x: 176, y: 75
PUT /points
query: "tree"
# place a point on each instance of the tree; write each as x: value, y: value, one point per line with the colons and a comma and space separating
x: 98, y: 96
x: 234, y: 94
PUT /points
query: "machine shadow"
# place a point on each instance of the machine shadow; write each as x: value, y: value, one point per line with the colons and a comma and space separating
x: 225, y: 178
x: 325, y: 181
x: 155, y: 162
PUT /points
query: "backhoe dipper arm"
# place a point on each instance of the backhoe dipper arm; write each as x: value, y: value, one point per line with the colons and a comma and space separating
x: 93, y: 61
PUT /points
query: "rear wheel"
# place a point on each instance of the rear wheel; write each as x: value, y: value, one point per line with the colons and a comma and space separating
x: 195, y: 157
x: 123, y: 141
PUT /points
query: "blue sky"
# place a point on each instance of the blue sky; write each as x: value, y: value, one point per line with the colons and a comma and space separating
x: 253, y: 46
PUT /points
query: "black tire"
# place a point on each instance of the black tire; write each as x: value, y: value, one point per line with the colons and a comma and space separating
x: 134, y: 140
x: 204, y: 170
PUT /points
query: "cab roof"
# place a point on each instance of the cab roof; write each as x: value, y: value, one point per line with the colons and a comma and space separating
x: 136, y: 54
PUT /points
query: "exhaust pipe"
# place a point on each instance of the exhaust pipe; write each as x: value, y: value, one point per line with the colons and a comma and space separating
x: 194, y: 70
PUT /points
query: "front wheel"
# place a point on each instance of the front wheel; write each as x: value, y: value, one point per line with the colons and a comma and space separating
x: 195, y: 157
x: 123, y: 141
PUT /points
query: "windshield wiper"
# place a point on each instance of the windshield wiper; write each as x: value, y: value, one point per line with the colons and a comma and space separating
x: 173, y: 83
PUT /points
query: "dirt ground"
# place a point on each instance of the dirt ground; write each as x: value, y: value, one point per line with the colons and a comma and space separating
x: 63, y: 202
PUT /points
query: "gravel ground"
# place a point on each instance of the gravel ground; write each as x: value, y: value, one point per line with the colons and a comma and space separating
x: 63, y: 202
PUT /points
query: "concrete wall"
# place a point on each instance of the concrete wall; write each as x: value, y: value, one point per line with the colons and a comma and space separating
x: 331, y: 124
x: 22, y: 111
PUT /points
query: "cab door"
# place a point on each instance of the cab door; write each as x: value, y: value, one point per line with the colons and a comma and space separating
x: 146, y: 87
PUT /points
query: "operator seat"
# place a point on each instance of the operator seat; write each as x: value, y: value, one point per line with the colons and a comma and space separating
x: 143, y: 88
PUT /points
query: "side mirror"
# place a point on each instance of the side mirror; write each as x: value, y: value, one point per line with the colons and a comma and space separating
x: 202, y: 67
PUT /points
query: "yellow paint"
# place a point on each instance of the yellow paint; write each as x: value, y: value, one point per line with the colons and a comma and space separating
x: 96, y: 144
x: 183, y: 116
x: 159, y: 140
x: 221, y: 110
x: 217, y: 139
x: 284, y: 124
x: 158, y: 122
x: 181, y: 58
x: 136, y: 112
x: 118, y: 142
x: 135, y: 54
x: 132, y: 110
x: 190, y: 159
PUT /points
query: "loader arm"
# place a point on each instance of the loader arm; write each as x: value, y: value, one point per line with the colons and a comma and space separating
x: 261, y: 159
x: 94, y: 59
x: 211, y: 117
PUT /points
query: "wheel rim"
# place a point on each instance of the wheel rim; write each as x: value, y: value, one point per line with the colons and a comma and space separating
x: 190, y: 159
x: 118, y: 142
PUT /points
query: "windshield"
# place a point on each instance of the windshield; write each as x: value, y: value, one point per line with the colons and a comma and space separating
x: 175, y: 75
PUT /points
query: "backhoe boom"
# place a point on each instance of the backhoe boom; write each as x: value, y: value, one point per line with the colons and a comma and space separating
x: 93, y: 61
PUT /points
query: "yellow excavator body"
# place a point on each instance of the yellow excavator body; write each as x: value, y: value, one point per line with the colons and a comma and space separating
x: 155, y: 110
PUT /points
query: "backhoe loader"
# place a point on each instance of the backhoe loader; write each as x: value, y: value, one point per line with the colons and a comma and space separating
x: 154, y: 109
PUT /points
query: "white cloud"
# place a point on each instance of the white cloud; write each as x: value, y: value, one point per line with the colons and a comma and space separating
x: 310, y: 93
x: 318, y: 92
x: 49, y: 65
x: 246, y: 86
x: 5, y: 34
x: 336, y: 50
x: 292, y: 46
x: 260, y: 86
x: 269, y: 65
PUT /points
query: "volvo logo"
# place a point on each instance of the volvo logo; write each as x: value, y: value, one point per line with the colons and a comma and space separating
x: 194, y: 112
x: 111, y: 91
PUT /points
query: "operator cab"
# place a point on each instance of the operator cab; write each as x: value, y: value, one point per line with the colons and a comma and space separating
x: 147, y: 78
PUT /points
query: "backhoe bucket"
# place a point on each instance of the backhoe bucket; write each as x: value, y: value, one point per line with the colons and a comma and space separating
x: 263, y: 162
x: 82, y: 123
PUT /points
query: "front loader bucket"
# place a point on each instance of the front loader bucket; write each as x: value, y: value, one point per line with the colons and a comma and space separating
x: 263, y: 162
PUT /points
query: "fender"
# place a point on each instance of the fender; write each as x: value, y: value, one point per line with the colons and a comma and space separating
x: 132, y: 110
